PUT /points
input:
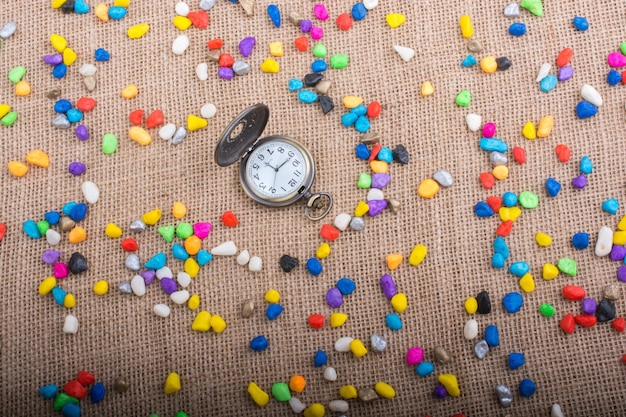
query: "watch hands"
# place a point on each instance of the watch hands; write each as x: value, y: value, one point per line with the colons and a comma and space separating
x: 279, y: 166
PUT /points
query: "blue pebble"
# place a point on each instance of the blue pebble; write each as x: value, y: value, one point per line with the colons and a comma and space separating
x: 358, y: 11
x: 548, y: 83
x: 580, y: 240
x: 493, y: 144
x: 482, y: 209
x: 49, y: 391
x: 394, y: 322
x: 71, y: 410
x: 581, y: 23
x: 52, y: 217
x: 497, y: 261
x: 30, y: 228
x: 385, y: 154
x: 203, y: 257
x: 273, y: 310
x: 584, y: 110
x: 62, y: 105
x: 613, y: 78
x: 348, y: 119
x: 274, y: 13
x: 321, y: 358
x: 519, y: 269
x: 156, y: 262
x: 79, y: 212
x: 610, y: 206
x: 359, y: 110
x: 517, y: 29
x: 586, y: 166
x: 59, y: 294
x: 362, y: 124
x: 492, y: 336
x: 424, y: 369
x: 117, y: 12
x: 314, y: 266
x: 59, y: 70
x: 67, y: 207
x: 361, y: 150
x: 469, y: 61
x: 97, y: 392
x: 509, y: 199
x: 346, y: 286
x: 500, y: 246
x: 179, y: 252
x: 553, y: 187
x: 527, y: 388
x: 513, y: 302
x: 80, y: 7
x: 102, y: 54
x: 295, y: 84
x: 74, y: 115
x: 319, y: 65
x: 307, y: 96
x: 516, y: 360
x: 259, y: 343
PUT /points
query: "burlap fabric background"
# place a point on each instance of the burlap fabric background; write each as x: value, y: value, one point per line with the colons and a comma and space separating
x: 119, y: 336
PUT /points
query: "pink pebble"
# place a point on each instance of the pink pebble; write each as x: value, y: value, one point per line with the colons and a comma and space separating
x: 60, y: 270
x: 319, y: 10
x: 414, y: 355
x: 202, y: 229
x: 317, y: 33
x: 616, y: 59
x: 489, y: 129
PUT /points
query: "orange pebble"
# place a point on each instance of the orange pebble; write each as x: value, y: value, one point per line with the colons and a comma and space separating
x: 297, y: 383
x: 22, y: 88
x: 394, y: 260
x: 192, y: 244
x: 301, y: 43
x: 77, y: 235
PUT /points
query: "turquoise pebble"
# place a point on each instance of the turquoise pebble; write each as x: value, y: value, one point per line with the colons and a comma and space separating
x: 553, y: 187
x: 259, y: 343
x: 527, y: 388
x: 548, y: 83
x: 59, y: 70
x: 385, y: 154
x: 469, y: 61
x: 203, y: 257
x: 584, y: 110
x: 610, y: 206
x: 512, y: 302
x: 156, y: 262
x: 482, y: 209
x: 361, y: 150
x: 493, y: 144
x: 274, y: 14
x: 314, y: 266
x: 586, y: 166
x: 509, y: 199
x: 394, y: 322
x: 31, y: 229
x: 67, y: 207
x: 71, y: 410
x: 52, y: 217
x: 519, y: 269
x: 273, y: 310
x: 362, y: 124
x: 179, y: 252
x: 307, y: 96
x: 346, y: 286
x: 59, y: 294
x: 117, y: 12
x: 359, y: 110
x: 80, y: 7
x: 516, y: 360
x: 321, y: 358
x: 492, y: 336
x: 74, y: 115
x: 580, y: 240
x: 500, y: 246
x: 48, y: 391
x: 424, y: 369
x: 613, y: 78
x: 348, y: 119
x: 319, y: 65
x: 497, y: 260
x: 295, y: 84
x: 97, y: 392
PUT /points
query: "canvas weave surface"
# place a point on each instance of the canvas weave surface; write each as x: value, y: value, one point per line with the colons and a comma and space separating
x: 119, y: 336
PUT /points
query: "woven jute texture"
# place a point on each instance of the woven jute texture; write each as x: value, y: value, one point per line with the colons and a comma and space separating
x: 120, y: 336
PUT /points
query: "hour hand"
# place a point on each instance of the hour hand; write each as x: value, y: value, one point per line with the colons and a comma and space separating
x: 267, y: 164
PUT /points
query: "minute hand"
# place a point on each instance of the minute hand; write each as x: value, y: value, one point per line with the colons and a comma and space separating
x: 279, y: 166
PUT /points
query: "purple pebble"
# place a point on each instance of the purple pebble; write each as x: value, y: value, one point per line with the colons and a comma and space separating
x: 621, y: 273
x: 580, y: 181
x: 168, y: 285
x: 306, y: 25
x: 565, y: 73
x: 77, y: 168
x: 54, y: 59
x: 50, y: 256
x: 388, y: 286
x: 334, y: 298
x: 226, y: 73
x: 440, y: 392
x: 246, y: 45
x: 148, y: 276
x: 376, y: 207
x: 82, y: 132
x: 589, y: 306
x: 380, y: 180
x: 618, y: 252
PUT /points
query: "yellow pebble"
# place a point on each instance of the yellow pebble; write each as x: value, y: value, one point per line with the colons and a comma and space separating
x: 527, y: 283
x: 217, y: 323
x: 622, y: 224
x: 69, y: 56
x: 17, y: 168
x: 151, y: 217
x: 488, y: 64
x: 195, y: 123
x: 467, y: 29
x: 427, y: 89
x: 47, y: 285
x: 545, y: 126
x: 276, y: 49
x: 102, y: 12
x: 543, y: 239
x: 38, y: 158
x: 399, y: 302
x: 428, y: 188
x: 323, y: 251
x: 69, y: 301
x: 56, y: 4
x: 384, y: 390
x: 338, y: 319
x: 351, y: 102
x: 260, y: 397
x: 4, y: 110
x: 140, y: 135
x: 194, y: 302
x: 58, y: 42
x: 361, y: 209
x: 22, y: 89
x: 394, y: 260
x: 202, y: 322
x: 509, y: 213
x: 619, y: 238
x: 113, y: 231
x: 271, y: 66
x: 529, y: 131
x: 191, y: 267
x: 395, y: 19
x: 379, y: 167
x: 130, y: 91
x: 314, y: 410
x: 137, y: 31
x: 122, y: 3
x: 77, y: 235
x: 501, y: 172
x: 179, y: 210
x: 549, y: 272
x: 348, y: 392
x: 101, y: 287
x: 471, y: 305
x: 450, y: 383
x: 357, y: 348
x: 192, y: 244
x: 182, y: 22
x: 272, y: 296
x: 417, y: 255
x: 172, y: 383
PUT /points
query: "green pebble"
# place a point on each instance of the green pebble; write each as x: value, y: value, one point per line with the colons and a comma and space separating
x: 567, y: 266
x: 167, y: 232
x: 528, y: 200
x: 339, y: 61
x: 280, y: 391
x: 547, y: 310
x: 319, y: 50
x: 622, y: 48
x: 463, y: 99
x: 184, y: 230
x: 365, y: 180
x: 9, y: 118
x: 16, y: 74
x: 63, y: 399
x: 43, y: 227
x: 153, y: 415
x: 109, y: 143
x: 181, y: 414
x: 533, y: 6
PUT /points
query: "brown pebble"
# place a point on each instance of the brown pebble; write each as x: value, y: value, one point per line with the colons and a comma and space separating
x: 90, y: 82
x: 295, y: 18
x: 394, y: 205
x: 323, y: 86
x: 442, y: 355
x: 613, y: 292
x: 119, y: 385
x: 53, y: 94
x: 367, y: 394
x: 370, y: 138
x: 214, y: 55
x: 248, y: 6
x: 66, y: 224
x: 247, y: 308
x: 474, y: 46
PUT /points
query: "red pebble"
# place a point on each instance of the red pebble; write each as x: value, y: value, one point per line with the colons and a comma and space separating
x: 329, y: 232
x: 226, y: 60
x: 301, y: 43
x: 505, y: 228
x: 129, y: 245
x: 374, y: 152
x: 487, y: 180
x: 585, y: 320
x: 85, y: 378
x: 619, y: 324
x: 563, y: 152
x: 75, y: 389
x: 344, y: 21
x: 316, y: 321
x: 564, y: 57
x: 136, y: 117
x: 199, y: 18
x: 519, y: 154
x: 624, y: 358
x: 85, y: 104
x: 155, y: 119
x: 215, y: 43
x: 229, y: 219
x: 567, y: 323
x: 3, y: 230
x: 373, y: 110
x: 623, y: 77
x: 494, y: 202
x: 573, y: 293
x: 458, y: 415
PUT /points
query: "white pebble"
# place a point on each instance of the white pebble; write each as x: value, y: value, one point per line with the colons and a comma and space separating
x: 473, y: 122
x: 70, y: 325
x: 604, y: 244
x: 470, y: 331
x: 202, y: 71
x: 182, y: 8
x: 208, y: 110
x: 512, y: 10
x: 161, y: 310
x: 370, y: 4
x: 255, y: 264
x: 443, y: 177
x: 556, y: 411
x: 180, y: 45
x: 405, y: 52
x: 7, y: 30
x: 53, y: 237
x: 138, y: 285
x: 132, y: 262
x: 183, y: 279
x: 180, y: 297
x: 591, y: 95
x: 225, y: 249
x: 243, y: 258
x: 343, y: 344
x: 339, y: 406
x: 87, y: 69
x: 330, y: 374
x: 543, y: 72
x: 296, y: 405
x: 164, y: 272
x: 167, y: 131
x: 375, y: 194
x: 207, y: 4
x: 342, y: 221
x: 91, y: 192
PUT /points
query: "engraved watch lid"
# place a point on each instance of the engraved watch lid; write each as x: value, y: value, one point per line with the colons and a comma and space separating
x: 241, y: 134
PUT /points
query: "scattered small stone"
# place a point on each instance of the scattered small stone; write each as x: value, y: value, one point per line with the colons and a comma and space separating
x: 288, y: 263
x: 120, y: 385
x: 400, y: 154
x: 378, y: 343
x: 367, y: 394
x: 505, y: 396
x: 511, y: 10
x: 442, y: 355
x: 443, y: 177
x: 612, y: 292
x: 474, y: 46
x: 481, y: 349
x: 605, y: 311
x: 137, y: 226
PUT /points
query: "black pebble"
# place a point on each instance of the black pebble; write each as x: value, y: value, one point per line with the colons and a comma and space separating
x: 400, y: 154
x: 484, y: 302
x: 326, y: 104
x: 77, y: 263
x: 504, y: 63
x: 287, y: 263
x: 68, y: 6
x: 605, y: 311
x: 311, y: 80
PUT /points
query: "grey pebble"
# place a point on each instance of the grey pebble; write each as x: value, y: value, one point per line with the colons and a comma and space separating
x: 357, y: 223
x: 7, y: 30
x: 137, y: 226
x: 179, y: 135
x: 370, y: 138
x: 512, y: 10
x: 241, y: 67
x: 207, y: 4
x: 323, y: 86
x: 367, y: 394
x: 378, y: 343
x: 505, y: 396
x: 481, y: 349
x: 132, y: 262
x: 474, y: 46
x: 61, y: 122
x: 612, y: 292
x: 443, y: 177
x: 247, y: 308
x: 498, y: 158
x: 125, y: 288
x: 442, y: 355
x: 90, y: 82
